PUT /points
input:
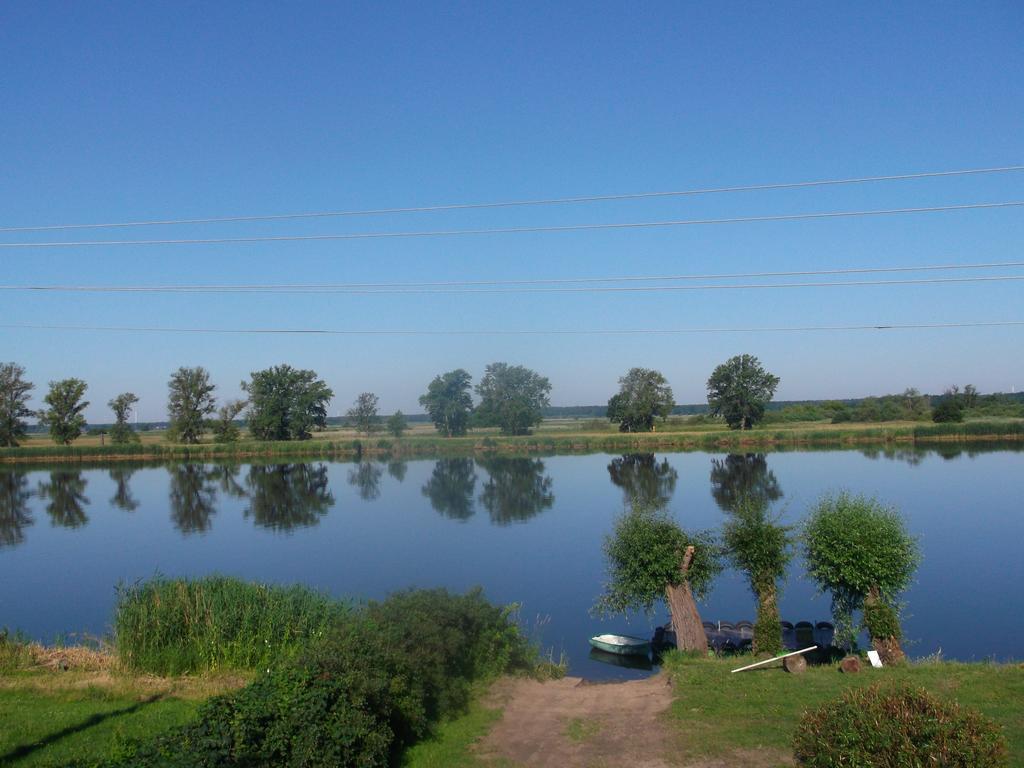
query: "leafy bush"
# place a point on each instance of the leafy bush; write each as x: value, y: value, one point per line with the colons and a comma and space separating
x: 950, y: 410
x: 897, y: 727
x: 375, y: 683
x: 170, y: 626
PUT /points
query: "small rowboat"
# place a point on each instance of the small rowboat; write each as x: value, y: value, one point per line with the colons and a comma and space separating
x: 622, y: 644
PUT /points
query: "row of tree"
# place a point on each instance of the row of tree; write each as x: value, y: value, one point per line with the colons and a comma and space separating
x: 855, y: 548
x: 285, y: 403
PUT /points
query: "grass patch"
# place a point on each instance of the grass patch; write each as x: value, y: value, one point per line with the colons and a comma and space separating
x: 453, y: 740
x: 581, y: 729
x: 51, y: 717
x: 175, y: 626
x: 719, y: 713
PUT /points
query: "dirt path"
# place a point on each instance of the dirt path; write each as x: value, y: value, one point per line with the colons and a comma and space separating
x: 571, y: 722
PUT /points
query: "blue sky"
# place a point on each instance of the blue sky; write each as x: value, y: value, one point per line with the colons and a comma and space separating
x: 124, y: 111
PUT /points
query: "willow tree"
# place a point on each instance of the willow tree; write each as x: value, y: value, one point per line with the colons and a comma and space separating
x: 860, y: 551
x: 762, y: 548
x: 651, y: 559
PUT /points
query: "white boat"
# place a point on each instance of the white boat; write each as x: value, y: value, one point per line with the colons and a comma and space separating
x: 622, y: 644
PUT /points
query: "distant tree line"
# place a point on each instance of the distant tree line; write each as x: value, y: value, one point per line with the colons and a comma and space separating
x: 285, y: 403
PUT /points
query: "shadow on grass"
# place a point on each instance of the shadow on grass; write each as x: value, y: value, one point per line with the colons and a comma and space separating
x: 93, y: 720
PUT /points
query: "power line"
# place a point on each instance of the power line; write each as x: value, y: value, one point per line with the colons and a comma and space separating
x: 520, y: 203
x: 546, y: 332
x: 559, y: 289
x: 517, y: 230
x: 323, y: 287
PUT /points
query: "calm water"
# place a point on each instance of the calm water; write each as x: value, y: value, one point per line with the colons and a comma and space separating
x: 527, y: 530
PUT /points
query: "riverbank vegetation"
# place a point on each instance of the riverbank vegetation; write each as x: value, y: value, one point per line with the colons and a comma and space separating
x: 347, y: 685
x: 731, y: 716
x: 551, y: 438
x: 180, y: 626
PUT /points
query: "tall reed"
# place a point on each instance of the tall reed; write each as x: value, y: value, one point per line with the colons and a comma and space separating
x: 173, y: 626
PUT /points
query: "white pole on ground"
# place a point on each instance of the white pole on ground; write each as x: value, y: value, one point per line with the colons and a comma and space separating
x: 777, y: 658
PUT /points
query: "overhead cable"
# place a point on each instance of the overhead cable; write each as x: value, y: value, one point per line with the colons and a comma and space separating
x: 525, y: 332
x: 513, y: 230
x: 312, y: 287
x: 520, y: 289
x: 520, y: 203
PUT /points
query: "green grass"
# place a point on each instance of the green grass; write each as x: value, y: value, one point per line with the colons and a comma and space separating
x: 561, y: 439
x: 718, y: 713
x: 453, y: 741
x: 175, y: 626
x: 581, y: 729
x: 49, y: 729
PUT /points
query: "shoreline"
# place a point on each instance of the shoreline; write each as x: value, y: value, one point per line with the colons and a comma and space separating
x: 581, y: 443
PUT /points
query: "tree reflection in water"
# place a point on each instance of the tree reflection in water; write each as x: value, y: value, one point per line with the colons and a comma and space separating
x: 397, y: 470
x: 226, y: 476
x: 66, y: 495
x: 743, y: 476
x: 516, y: 489
x: 366, y: 477
x: 283, y: 497
x: 450, y: 488
x: 193, y: 497
x: 122, y: 498
x: 643, y: 479
x: 14, y: 512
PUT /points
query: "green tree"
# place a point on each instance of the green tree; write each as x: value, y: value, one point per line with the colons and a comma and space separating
x: 224, y: 428
x: 652, y: 559
x: 915, y: 406
x: 739, y: 389
x: 363, y: 414
x: 448, y: 402
x: 761, y: 548
x: 14, y: 396
x: 511, y: 397
x: 644, y: 394
x: 951, y: 409
x: 860, y: 552
x: 286, y: 403
x: 64, y: 412
x: 397, y: 424
x: 121, y: 432
x: 189, y: 401
x: 970, y: 396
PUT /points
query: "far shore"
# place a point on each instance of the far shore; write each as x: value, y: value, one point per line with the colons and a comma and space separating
x: 554, y: 437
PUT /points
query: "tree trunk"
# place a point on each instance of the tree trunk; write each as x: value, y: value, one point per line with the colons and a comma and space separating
x: 888, y: 647
x: 767, y: 620
x: 685, y: 617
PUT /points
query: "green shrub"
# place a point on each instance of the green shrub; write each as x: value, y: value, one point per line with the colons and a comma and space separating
x: 897, y: 727
x: 374, y: 684
x: 950, y: 410
x: 172, y: 626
